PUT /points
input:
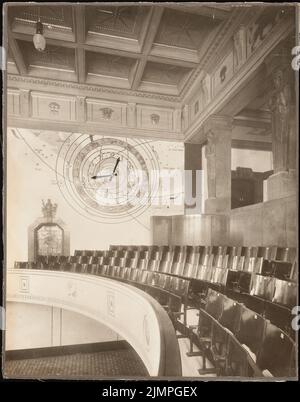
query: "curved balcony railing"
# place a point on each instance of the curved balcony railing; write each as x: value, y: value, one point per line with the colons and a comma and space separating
x: 130, y: 312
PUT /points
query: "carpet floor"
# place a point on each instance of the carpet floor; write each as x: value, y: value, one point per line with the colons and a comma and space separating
x: 118, y: 363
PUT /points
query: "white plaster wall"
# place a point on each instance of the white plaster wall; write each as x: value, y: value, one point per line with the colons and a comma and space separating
x: 30, y: 326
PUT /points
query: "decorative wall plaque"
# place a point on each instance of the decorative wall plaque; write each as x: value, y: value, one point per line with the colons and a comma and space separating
x: 48, y: 235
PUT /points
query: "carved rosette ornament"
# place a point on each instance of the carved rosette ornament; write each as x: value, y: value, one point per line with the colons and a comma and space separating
x: 106, y: 113
x: 155, y: 118
x: 54, y: 108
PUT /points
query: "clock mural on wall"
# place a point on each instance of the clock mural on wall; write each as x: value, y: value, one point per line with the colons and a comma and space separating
x: 109, y: 180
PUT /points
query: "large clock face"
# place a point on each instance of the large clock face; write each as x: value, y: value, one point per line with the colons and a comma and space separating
x: 108, y: 197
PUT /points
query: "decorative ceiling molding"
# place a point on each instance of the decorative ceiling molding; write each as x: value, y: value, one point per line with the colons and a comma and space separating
x: 125, y: 31
x: 183, y: 29
x: 140, y: 79
x: 92, y: 128
x: 13, y: 79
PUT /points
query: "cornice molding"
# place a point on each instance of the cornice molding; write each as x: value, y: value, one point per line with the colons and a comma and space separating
x: 92, y: 128
x: 11, y: 78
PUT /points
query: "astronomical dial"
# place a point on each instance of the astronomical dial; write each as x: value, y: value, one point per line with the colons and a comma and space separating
x: 107, y: 179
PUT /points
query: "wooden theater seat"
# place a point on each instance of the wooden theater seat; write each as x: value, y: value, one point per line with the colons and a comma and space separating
x: 276, y: 353
x: 222, y: 329
x: 250, y: 331
x: 201, y: 333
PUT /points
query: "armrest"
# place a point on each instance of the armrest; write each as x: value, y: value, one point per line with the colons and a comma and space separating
x: 178, y: 313
x: 205, y: 339
x: 190, y: 308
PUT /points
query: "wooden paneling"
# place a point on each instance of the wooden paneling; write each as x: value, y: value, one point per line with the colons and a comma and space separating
x: 268, y: 223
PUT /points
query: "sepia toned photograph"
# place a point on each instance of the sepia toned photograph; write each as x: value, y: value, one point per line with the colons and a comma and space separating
x: 150, y: 196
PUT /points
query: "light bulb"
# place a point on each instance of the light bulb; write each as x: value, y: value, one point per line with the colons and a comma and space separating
x: 38, y: 39
x: 39, y: 42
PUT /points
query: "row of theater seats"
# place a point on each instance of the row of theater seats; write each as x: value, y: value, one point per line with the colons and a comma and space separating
x: 170, y: 291
x: 268, y: 253
x: 184, y: 258
x: 239, y: 341
x: 158, y: 275
x: 269, y: 286
x: 243, y: 273
x: 263, y: 284
x: 241, y: 270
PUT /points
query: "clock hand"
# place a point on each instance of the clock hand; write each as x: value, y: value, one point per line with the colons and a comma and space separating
x: 116, y: 165
x: 108, y: 175
x: 101, y: 176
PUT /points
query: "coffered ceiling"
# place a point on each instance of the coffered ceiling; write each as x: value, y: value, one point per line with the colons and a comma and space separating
x: 148, y: 48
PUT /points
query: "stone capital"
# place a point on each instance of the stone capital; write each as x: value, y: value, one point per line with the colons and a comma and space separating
x: 217, y: 123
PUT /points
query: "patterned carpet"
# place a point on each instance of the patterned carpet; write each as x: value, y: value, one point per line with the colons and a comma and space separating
x: 118, y: 363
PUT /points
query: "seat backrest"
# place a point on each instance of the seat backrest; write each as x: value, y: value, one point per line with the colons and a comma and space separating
x: 214, y: 303
x: 179, y: 286
x: 144, y: 276
x: 294, y: 272
x: 263, y: 286
x: 250, y: 329
x: 285, y: 293
x: 232, y: 251
x: 189, y: 271
x: 230, y: 315
x: 127, y: 272
x: 232, y: 279
x: 200, y: 271
x: 220, y: 261
x: 67, y: 266
x: 153, y: 265
x: 142, y: 264
x: 155, y: 279
x: 208, y: 274
x: 254, y: 264
x: 193, y: 258
x: 177, y: 268
x: 276, y: 352
x: 267, y: 268
x: 207, y: 260
x: 167, y: 282
x: 132, y: 274
x: 238, y: 263
x: 281, y: 269
x: 244, y: 283
x: 161, y: 280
